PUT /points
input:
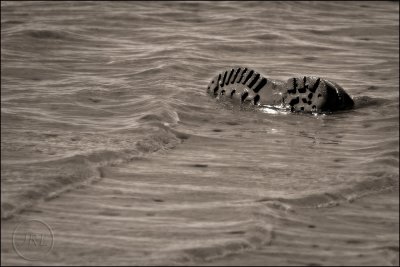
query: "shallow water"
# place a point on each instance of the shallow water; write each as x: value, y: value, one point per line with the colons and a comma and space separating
x: 113, y: 95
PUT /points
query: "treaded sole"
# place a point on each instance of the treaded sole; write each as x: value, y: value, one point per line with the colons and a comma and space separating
x: 300, y: 94
x: 245, y: 86
x: 315, y: 94
x: 307, y: 94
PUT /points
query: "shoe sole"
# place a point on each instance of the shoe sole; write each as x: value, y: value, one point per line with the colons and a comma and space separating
x: 300, y: 94
x: 245, y: 86
x: 315, y: 94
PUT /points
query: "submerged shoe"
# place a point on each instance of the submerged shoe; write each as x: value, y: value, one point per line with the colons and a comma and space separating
x: 304, y: 94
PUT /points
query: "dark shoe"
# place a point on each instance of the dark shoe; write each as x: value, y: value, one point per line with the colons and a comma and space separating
x: 305, y: 94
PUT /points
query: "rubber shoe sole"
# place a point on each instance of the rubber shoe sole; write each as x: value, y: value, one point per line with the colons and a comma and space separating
x: 315, y: 94
x: 300, y: 94
x: 246, y: 86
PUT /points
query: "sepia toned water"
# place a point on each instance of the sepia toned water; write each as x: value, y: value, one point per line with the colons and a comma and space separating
x: 108, y: 135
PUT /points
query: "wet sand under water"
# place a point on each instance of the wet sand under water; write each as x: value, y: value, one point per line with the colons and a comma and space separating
x: 175, y: 211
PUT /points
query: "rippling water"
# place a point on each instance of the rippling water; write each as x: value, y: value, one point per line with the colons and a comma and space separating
x: 111, y: 95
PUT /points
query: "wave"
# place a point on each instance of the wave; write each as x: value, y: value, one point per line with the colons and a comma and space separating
x: 255, y: 235
x: 370, y: 102
x: 373, y: 185
x: 61, y: 175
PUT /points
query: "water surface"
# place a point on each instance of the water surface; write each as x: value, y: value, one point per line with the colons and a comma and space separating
x: 111, y: 96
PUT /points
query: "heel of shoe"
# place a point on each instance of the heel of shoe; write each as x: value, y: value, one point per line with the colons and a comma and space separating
x: 315, y: 94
